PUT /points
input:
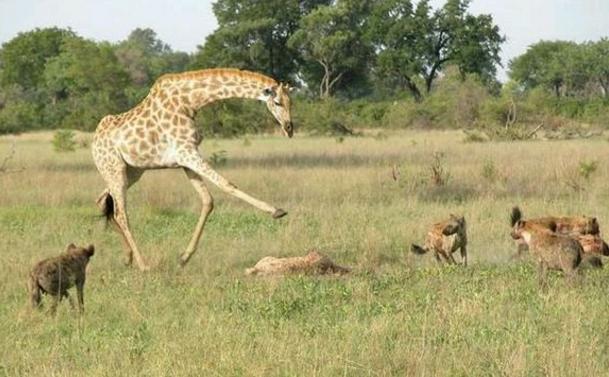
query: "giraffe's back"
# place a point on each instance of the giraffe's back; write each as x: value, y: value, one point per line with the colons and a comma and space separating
x: 146, y: 137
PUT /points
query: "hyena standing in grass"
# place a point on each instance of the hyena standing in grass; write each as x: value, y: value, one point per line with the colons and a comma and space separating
x: 444, y: 238
x: 551, y: 250
x: 54, y: 276
x: 584, y: 229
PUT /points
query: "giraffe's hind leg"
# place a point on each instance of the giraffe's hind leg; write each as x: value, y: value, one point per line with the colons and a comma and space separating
x: 133, y: 175
x: 207, y: 205
x: 118, y: 179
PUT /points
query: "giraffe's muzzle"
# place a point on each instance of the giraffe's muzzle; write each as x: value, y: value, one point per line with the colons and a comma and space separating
x: 288, y: 129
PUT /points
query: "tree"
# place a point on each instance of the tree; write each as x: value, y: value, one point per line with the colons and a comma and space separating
x: 598, y: 54
x: 23, y: 58
x: 331, y: 37
x: 145, y: 57
x: 542, y: 65
x: 253, y: 35
x: 86, y: 82
x: 414, y: 44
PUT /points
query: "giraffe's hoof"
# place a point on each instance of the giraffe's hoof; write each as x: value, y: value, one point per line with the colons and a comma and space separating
x: 182, y: 262
x: 143, y: 267
x: 279, y: 213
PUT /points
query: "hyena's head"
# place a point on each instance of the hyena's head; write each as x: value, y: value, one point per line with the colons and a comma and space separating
x: 523, y: 230
x: 579, y: 225
x: 77, y: 251
x: 455, y: 224
x: 593, y: 244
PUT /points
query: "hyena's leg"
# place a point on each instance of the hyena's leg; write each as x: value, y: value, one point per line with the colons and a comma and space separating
x: 80, y: 293
x: 34, y: 292
x: 192, y: 160
x: 572, y: 276
x: 56, y: 299
x: 464, y: 255
x: 450, y: 258
x: 70, y: 299
x: 542, y: 275
x: 436, y: 254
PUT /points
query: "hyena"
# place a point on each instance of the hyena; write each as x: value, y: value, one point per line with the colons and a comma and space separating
x: 312, y: 263
x: 444, y: 238
x: 54, y: 276
x: 550, y: 250
x: 584, y: 229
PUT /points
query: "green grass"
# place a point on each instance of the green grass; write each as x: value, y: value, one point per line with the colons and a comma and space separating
x: 396, y: 314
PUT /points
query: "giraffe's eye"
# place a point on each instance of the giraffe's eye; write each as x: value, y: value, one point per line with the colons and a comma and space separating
x: 277, y: 103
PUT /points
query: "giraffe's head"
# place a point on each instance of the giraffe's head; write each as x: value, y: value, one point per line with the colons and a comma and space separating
x: 277, y: 100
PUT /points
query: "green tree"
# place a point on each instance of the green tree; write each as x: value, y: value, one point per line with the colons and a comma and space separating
x: 86, y: 82
x: 598, y: 54
x: 414, y: 43
x: 253, y: 35
x: 23, y: 58
x: 542, y: 65
x: 145, y: 57
x: 331, y: 37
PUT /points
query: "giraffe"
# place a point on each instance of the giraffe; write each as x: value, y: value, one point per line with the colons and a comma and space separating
x: 159, y: 133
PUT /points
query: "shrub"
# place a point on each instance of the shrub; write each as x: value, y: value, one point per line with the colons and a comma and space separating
x: 64, y: 141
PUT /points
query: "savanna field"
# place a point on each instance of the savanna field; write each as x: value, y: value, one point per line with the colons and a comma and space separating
x: 361, y: 201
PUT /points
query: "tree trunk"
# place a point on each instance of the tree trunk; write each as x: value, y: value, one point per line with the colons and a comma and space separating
x: 604, y: 87
x: 414, y: 90
x: 324, y: 86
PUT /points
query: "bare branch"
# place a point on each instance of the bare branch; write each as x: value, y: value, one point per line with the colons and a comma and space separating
x: 530, y: 135
x: 4, y: 163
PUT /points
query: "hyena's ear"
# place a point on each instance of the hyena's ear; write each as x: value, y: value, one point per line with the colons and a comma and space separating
x: 90, y: 250
x: 553, y: 226
x: 70, y: 247
x: 595, y: 228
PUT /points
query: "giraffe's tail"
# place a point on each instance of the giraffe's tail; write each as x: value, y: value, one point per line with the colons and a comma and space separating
x: 107, y: 207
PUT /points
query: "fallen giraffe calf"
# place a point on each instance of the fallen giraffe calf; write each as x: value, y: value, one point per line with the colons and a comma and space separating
x: 312, y: 263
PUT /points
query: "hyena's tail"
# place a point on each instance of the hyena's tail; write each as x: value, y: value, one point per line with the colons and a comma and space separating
x: 417, y: 249
x: 515, y: 216
x: 34, y: 291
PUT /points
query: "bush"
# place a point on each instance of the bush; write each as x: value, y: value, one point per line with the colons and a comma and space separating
x: 64, y: 141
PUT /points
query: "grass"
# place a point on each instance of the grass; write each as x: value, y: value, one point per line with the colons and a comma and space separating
x: 396, y: 314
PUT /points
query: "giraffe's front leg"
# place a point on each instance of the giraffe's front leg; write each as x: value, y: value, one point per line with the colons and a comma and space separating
x: 192, y: 160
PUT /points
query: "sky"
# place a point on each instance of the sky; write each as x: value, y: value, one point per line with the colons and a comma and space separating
x: 183, y: 24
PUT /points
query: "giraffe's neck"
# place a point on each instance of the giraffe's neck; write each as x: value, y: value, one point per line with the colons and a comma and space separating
x: 188, y: 92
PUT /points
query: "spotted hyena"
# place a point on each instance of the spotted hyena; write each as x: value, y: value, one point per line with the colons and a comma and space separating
x: 582, y: 228
x: 54, y: 276
x: 551, y: 250
x: 444, y: 238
